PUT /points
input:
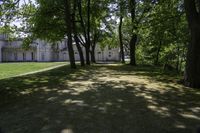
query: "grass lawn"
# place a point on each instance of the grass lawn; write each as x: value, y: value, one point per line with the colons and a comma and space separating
x: 13, y: 69
x: 98, y: 99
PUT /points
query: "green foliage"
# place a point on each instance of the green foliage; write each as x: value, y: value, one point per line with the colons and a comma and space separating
x: 27, y: 41
x: 49, y: 21
x: 161, y: 26
x: 165, y: 31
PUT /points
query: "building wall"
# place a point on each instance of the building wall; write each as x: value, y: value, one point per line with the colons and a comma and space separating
x: 18, y: 55
x: 0, y: 55
x: 13, y: 51
x: 1, y: 44
x: 42, y: 51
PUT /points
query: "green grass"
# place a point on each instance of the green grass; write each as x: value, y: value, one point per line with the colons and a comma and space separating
x: 98, y: 99
x: 13, y: 69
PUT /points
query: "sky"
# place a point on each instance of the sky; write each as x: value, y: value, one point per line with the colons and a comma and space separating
x: 21, y: 2
x: 25, y: 1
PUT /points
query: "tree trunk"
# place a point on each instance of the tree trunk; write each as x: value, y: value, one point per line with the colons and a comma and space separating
x: 82, y: 60
x: 87, y: 48
x: 192, y: 72
x: 158, y: 53
x: 93, y: 59
x: 87, y: 54
x: 93, y: 46
x: 133, y: 49
x: 178, y: 58
x: 87, y: 40
x: 76, y: 37
x: 133, y: 40
x: 182, y: 59
x: 69, y: 33
x: 120, y: 40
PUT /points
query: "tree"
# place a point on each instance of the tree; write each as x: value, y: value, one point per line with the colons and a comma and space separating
x: 121, y: 6
x: 162, y: 35
x: 192, y: 72
x: 133, y: 40
x: 68, y: 20
x: 76, y: 38
x: 138, y: 9
x: 8, y: 12
x: 85, y: 27
x: 55, y: 26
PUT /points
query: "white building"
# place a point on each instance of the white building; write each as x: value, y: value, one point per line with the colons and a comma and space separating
x: 41, y: 51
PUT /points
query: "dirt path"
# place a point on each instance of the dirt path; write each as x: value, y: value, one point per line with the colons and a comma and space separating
x: 98, y: 99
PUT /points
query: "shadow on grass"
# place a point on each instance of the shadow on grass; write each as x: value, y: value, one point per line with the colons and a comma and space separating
x: 91, y: 100
x: 151, y: 72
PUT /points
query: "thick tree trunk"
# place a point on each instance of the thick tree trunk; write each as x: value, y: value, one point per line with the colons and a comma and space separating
x: 87, y: 54
x: 120, y: 40
x: 192, y: 72
x: 69, y: 33
x: 82, y: 60
x: 133, y: 49
x: 133, y: 40
x: 93, y: 59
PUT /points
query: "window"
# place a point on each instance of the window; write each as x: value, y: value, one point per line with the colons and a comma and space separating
x: 110, y: 54
x: 64, y: 56
x: 15, y: 57
x: 24, y: 56
x: 32, y: 56
x: 57, y: 57
x: 43, y: 57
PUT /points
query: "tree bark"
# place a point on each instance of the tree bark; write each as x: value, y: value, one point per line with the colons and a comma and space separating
x: 158, y: 53
x: 120, y: 40
x: 87, y: 48
x: 178, y: 58
x: 82, y: 60
x: 133, y: 40
x: 85, y: 33
x: 93, y: 58
x: 192, y: 72
x: 93, y: 46
x: 69, y: 33
x: 133, y: 50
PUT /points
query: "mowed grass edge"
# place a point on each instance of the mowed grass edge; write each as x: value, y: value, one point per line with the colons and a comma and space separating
x: 8, y: 70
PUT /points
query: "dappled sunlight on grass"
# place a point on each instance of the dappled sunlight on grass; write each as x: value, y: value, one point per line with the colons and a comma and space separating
x: 101, y: 98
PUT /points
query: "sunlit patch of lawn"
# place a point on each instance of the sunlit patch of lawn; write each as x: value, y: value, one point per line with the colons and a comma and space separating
x: 99, y: 99
x: 13, y: 69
